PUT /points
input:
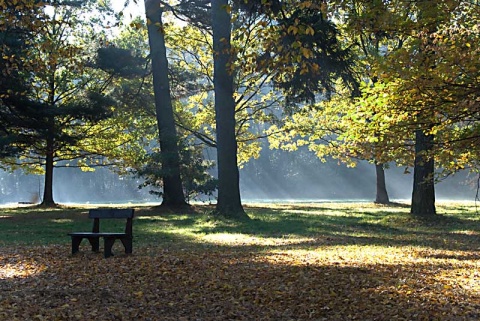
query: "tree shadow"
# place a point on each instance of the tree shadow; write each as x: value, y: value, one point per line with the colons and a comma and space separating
x: 180, y: 276
x: 456, y: 256
x: 226, y: 285
x: 366, y: 228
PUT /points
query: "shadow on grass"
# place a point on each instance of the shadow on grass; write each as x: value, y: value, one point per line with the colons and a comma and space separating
x: 327, y: 226
x: 174, y: 272
x: 313, y: 225
x: 456, y: 256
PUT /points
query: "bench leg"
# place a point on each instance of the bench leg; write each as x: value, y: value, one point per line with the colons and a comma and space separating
x: 76, y: 240
x: 95, y: 242
x: 108, y: 246
x: 127, y: 243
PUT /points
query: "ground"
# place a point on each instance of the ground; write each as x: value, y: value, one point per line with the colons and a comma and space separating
x: 309, y: 262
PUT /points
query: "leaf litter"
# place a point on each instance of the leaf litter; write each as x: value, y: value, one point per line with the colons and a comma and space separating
x: 231, y: 283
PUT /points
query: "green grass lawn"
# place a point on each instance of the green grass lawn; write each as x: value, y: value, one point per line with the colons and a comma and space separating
x: 456, y: 227
x: 323, y: 261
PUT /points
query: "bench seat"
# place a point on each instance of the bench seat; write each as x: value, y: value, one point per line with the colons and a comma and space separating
x: 91, y: 234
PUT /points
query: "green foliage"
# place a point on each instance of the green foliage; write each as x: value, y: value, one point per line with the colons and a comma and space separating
x: 120, y: 62
x: 431, y: 84
x: 256, y: 104
x: 301, y: 50
x: 413, y: 78
x: 312, y: 56
x: 65, y: 97
x: 16, y: 32
x: 197, y: 181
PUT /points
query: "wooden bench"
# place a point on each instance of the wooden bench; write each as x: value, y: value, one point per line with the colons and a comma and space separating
x: 109, y: 238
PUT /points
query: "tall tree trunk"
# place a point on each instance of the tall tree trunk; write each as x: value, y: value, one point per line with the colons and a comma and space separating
x: 172, y: 182
x: 48, y: 186
x: 50, y: 142
x: 423, y: 196
x: 382, y: 195
x: 229, y: 202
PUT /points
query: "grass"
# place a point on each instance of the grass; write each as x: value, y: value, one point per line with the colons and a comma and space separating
x: 323, y: 261
x: 456, y: 227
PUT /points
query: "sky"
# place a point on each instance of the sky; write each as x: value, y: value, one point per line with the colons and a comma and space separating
x: 133, y: 9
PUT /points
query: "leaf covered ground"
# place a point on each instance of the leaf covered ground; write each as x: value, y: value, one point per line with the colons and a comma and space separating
x: 379, y: 266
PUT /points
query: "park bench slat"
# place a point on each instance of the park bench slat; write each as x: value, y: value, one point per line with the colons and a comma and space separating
x: 111, y: 213
x: 108, y: 237
x: 87, y: 234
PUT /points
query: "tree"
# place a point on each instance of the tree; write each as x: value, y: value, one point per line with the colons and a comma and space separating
x: 301, y: 62
x: 17, y: 30
x: 233, y: 111
x: 172, y: 182
x: 326, y: 134
x: 423, y: 194
x: 190, y: 50
x: 63, y: 101
x: 423, y: 91
x: 414, y: 70
x: 382, y: 194
x: 311, y: 59
x: 137, y: 150
x: 369, y: 43
x: 229, y: 201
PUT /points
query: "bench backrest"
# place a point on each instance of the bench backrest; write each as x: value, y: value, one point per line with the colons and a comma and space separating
x: 109, y: 213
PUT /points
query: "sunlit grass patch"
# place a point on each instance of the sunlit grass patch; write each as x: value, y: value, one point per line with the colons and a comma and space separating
x: 275, y: 225
x: 62, y: 220
x: 466, y: 232
x: 236, y: 239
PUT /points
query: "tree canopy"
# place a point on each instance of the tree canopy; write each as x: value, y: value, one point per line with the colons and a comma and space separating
x: 384, y: 81
x: 51, y: 111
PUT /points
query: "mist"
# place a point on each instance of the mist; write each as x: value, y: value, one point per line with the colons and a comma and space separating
x: 332, y: 182
x: 71, y: 185
x: 277, y: 176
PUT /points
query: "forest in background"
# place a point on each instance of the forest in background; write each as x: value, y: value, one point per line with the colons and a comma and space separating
x: 384, y: 82
x: 285, y: 177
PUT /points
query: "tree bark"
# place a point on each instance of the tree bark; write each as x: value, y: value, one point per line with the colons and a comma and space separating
x: 382, y: 195
x: 423, y: 196
x: 50, y: 144
x: 48, y: 185
x: 229, y: 202
x: 172, y: 183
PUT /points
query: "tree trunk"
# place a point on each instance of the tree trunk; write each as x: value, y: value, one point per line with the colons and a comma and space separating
x: 382, y: 195
x: 423, y: 196
x: 48, y: 185
x: 172, y: 182
x: 50, y: 150
x: 229, y: 202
